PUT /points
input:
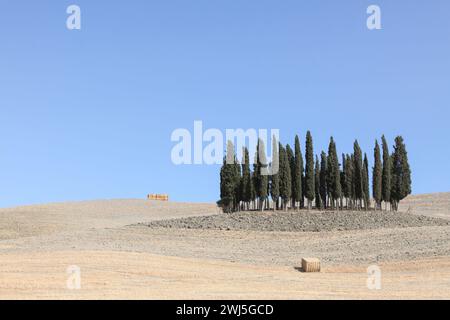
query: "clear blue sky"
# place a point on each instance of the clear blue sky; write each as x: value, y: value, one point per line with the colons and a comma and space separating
x: 88, y: 114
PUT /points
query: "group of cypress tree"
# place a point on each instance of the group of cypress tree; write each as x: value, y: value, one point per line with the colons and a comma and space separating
x: 322, y: 182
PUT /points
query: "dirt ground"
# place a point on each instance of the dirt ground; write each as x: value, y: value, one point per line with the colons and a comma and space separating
x: 119, y: 260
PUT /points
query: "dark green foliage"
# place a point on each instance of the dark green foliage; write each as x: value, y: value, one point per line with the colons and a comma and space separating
x: 302, y: 201
x: 323, y: 179
x: 352, y: 160
x: 345, y: 193
x: 262, y: 182
x: 377, y: 176
x: 319, y: 204
x: 255, y: 178
x: 333, y: 174
x: 275, y: 177
x: 357, y: 173
x: 253, y: 188
x: 246, y: 179
x: 291, y: 161
x: 366, y: 190
x: 285, y: 177
x: 349, y: 180
x: 228, y: 180
x: 298, y: 173
x: 238, y: 191
x: 224, y: 199
x: 401, y: 173
x: 387, y: 172
x: 309, y: 170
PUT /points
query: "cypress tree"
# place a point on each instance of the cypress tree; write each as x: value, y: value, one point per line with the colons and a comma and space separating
x: 377, y: 175
x: 358, y: 173
x: 262, y: 179
x: 285, y: 177
x: 223, y: 192
x: 393, y: 196
x: 337, y: 179
x: 387, y: 172
x: 246, y: 179
x: 237, y: 185
x: 267, y: 207
x: 275, y: 178
x: 330, y: 174
x: 253, y: 189
x: 291, y: 161
x: 309, y: 170
x: 343, y: 180
x: 328, y: 184
x: 255, y: 179
x: 298, y: 173
x: 228, y: 179
x: 302, y: 202
x: 333, y: 174
x: 317, y: 184
x: 349, y: 180
x: 323, y: 179
x: 401, y: 177
x: 366, y: 190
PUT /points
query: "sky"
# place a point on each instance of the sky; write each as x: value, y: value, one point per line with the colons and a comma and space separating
x: 88, y: 114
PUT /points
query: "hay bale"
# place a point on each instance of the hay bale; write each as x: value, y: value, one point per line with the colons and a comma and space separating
x: 310, y: 265
x: 158, y: 197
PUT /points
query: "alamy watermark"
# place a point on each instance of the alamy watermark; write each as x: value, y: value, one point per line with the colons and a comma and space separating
x: 374, y: 19
x: 73, y: 281
x: 73, y: 21
x: 373, y: 277
x: 206, y: 147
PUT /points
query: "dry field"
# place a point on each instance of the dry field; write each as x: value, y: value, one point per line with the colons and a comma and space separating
x: 120, y: 257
